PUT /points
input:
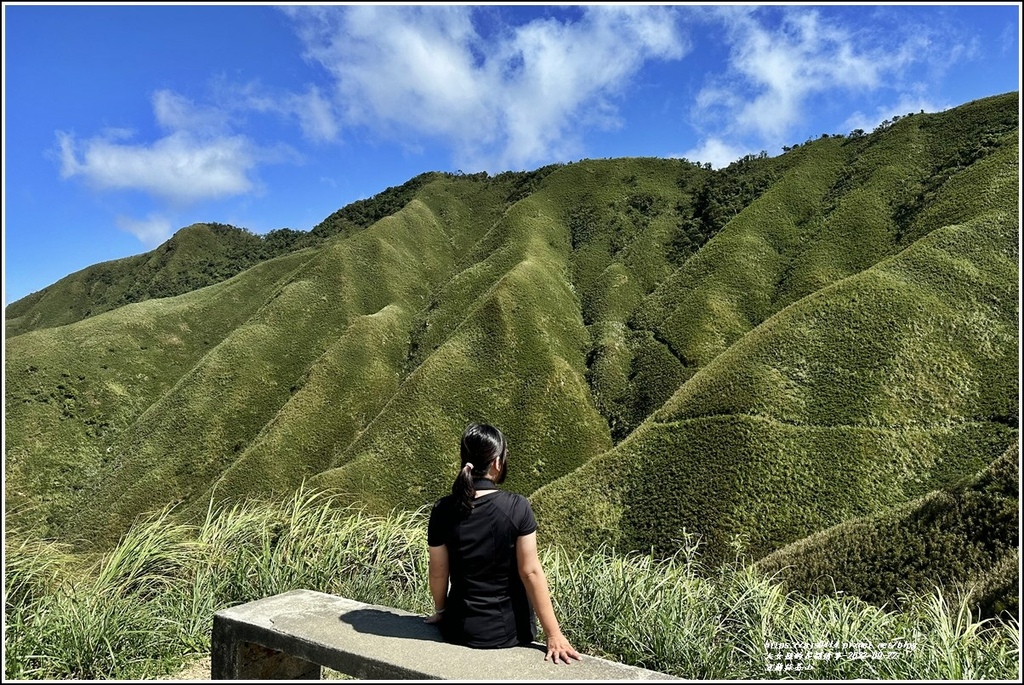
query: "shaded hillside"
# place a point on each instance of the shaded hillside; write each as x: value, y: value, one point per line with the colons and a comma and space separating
x: 967, y: 533
x: 762, y: 351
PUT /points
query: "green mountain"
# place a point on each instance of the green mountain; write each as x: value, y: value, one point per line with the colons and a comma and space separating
x: 759, y: 353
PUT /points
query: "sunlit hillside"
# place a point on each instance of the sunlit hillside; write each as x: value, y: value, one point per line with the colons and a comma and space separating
x: 755, y: 354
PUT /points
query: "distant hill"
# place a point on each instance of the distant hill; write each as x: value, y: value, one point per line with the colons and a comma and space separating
x: 195, y: 257
x: 758, y: 353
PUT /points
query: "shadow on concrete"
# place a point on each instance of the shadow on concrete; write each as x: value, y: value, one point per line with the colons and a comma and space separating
x: 387, y: 624
x: 384, y: 623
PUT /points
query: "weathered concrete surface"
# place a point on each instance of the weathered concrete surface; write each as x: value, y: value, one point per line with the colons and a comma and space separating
x: 312, y: 629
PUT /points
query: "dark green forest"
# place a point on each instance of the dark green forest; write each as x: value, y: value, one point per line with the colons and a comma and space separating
x: 811, y: 360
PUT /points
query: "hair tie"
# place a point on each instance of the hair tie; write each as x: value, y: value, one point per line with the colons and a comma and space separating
x: 468, y: 466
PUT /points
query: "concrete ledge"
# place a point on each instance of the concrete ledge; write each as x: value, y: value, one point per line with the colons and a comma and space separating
x: 291, y: 635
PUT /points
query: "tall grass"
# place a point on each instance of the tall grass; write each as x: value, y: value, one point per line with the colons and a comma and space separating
x: 145, y: 607
x: 678, y: 617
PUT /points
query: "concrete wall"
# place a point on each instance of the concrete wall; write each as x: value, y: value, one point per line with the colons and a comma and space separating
x: 291, y: 635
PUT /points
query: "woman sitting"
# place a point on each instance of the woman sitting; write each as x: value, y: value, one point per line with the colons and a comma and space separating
x: 484, y: 541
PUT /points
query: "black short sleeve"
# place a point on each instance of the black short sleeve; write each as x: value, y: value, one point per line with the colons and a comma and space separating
x: 439, y: 524
x: 523, y: 516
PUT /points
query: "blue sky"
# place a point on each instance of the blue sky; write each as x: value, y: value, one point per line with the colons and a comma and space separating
x: 125, y: 123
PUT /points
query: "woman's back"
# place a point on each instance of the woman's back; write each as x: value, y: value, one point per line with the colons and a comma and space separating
x: 487, y: 603
x: 484, y: 572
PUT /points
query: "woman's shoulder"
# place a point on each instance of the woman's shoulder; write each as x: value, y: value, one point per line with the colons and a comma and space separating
x: 444, y: 504
x: 519, y: 512
x: 444, y: 501
x: 513, y: 501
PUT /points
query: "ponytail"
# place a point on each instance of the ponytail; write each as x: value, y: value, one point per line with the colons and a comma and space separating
x: 481, y: 446
x: 463, y: 490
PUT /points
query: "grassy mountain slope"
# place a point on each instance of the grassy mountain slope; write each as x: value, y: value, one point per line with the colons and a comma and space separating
x: 868, y: 392
x: 964, y: 534
x: 760, y: 352
x: 516, y: 359
x: 205, y: 424
x: 72, y: 392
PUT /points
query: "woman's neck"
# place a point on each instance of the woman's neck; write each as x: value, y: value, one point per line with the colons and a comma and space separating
x: 484, y: 486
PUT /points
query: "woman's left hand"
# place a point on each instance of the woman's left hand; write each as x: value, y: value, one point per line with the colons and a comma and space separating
x: 435, y: 618
x: 560, y: 651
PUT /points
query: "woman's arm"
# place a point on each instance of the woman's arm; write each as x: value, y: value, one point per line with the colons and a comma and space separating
x: 438, y: 574
x: 536, y: 584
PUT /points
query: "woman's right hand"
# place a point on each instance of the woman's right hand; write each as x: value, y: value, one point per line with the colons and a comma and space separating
x: 560, y: 651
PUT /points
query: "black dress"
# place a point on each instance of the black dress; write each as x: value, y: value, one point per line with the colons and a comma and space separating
x: 487, y: 605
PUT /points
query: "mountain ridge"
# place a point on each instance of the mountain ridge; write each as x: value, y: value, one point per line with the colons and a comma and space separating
x: 659, y: 341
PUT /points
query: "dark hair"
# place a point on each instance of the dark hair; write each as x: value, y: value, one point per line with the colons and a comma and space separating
x: 481, y: 445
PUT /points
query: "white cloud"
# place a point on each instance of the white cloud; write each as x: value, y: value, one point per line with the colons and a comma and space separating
x: 313, y: 112
x: 905, y: 105
x: 151, y: 231
x: 175, y: 112
x: 715, y: 151
x: 179, y: 168
x: 778, y: 69
x: 200, y: 157
x: 784, y: 61
x: 515, y: 98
